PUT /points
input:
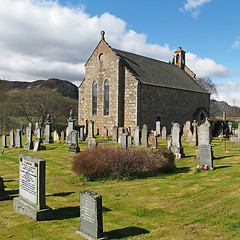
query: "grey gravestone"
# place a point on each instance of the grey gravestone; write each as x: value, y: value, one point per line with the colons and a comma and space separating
x: 92, y: 143
x: 164, y: 133
x: 206, y: 155
x: 71, y: 120
x: 144, y: 140
x: 55, y: 136
x: 62, y: 136
x: 18, y: 139
x: 194, y: 141
x: 120, y: 132
x: 124, y: 142
x: 48, y: 133
x: 4, y: 141
x: 12, y: 140
x: 158, y: 128
x: 81, y: 134
x: 3, y: 194
x: 237, y: 140
x: 129, y: 140
x: 31, y: 200
x: 115, y: 134
x: 204, y: 133
x: 39, y: 134
x: 90, y: 129
x: 39, y: 141
x: 74, y: 142
x: 91, y: 223
x: 29, y: 143
x: 136, y: 138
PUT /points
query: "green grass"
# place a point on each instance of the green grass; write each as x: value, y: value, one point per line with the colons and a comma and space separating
x: 182, y: 205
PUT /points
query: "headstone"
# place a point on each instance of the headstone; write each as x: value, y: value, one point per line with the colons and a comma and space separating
x: 92, y: 143
x: 67, y: 131
x: 129, y: 140
x: 153, y: 141
x: 29, y: 143
x: 36, y: 127
x: 3, y: 194
x: 175, y: 143
x: 105, y: 133
x: 39, y: 134
x: 120, y: 132
x: 48, y: 132
x: 204, y: 133
x: 55, y: 136
x: 31, y: 200
x: 144, y: 140
x: 18, y: 139
x: 90, y: 129
x: 158, y: 128
x: 62, y: 136
x: 74, y: 142
x: 12, y: 140
x: 164, y: 133
x: 189, y: 135
x: 71, y: 120
x: 206, y: 155
x: 230, y: 128
x: 4, y: 141
x: 193, y: 141
x: 136, y: 138
x: 38, y: 146
x: 115, y: 134
x: 91, y: 222
x: 124, y: 142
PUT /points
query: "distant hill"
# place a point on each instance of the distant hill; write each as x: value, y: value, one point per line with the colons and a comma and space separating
x: 66, y: 88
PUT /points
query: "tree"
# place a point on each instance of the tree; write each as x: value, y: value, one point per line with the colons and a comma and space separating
x: 208, y: 84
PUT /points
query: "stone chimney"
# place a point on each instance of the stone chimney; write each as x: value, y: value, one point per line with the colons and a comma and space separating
x: 179, y: 58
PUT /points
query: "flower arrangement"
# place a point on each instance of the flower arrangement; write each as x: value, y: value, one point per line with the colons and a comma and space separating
x: 205, y: 167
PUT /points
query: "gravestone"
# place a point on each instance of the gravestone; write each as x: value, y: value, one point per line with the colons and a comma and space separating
x: 62, y: 136
x: 124, y: 141
x: 55, y: 136
x: 194, y: 141
x: 12, y: 140
x: 90, y: 129
x: 48, y: 132
x: 81, y: 134
x: 74, y: 142
x: 158, y: 128
x: 121, y: 130
x: 164, y: 133
x: 206, y: 155
x: 4, y: 141
x: 31, y: 200
x: 144, y: 140
x: 136, y: 138
x: 105, y: 133
x: 18, y: 139
x: 29, y: 143
x: 230, y: 128
x: 3, y: 194
x: 175, y: 144
x: 153, y: 140
x: 71, y: 120
x: 204, y: 133
x: 129, y: 140
x: 39, y: 141
x: 91, y: 222
x: 92, y: 143
x: 39, y: 134
x: 115, y: 134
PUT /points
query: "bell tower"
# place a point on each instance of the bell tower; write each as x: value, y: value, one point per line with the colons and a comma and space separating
x: 179, y: 58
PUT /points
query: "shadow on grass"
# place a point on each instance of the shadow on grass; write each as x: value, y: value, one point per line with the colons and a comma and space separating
x: 126, y: 232
x: 66, y: 213
x: 221, y: 167
x: 218, y: 158
x: 62, y: 194
x: 104, y: 209
x: 9, y: 180
x: 182, y: 170
x: 12, y: 194
x: 49, y: 148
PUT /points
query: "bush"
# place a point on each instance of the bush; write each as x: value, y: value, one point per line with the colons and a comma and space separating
x: 98, y: 163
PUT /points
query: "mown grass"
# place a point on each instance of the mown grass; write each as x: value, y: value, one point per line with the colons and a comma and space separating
x: 182, y: 205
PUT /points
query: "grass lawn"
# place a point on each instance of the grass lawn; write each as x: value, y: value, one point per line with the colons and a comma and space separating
x: 184, y: 205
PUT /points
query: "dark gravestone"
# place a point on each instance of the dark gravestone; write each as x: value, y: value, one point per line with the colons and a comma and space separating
x: 74, y: 142
x: 206, y: 155
x: 91, y: 223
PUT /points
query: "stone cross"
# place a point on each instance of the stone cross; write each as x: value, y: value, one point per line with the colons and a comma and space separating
x: 144, y: 140
x: 71, y: 120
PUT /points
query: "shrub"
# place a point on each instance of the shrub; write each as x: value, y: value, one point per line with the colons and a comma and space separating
x: 102, y: 162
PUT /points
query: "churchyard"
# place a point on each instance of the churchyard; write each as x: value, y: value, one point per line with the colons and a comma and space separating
x: 187, y: 204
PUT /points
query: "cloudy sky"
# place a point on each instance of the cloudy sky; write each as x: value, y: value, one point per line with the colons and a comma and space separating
x: 41, y: 39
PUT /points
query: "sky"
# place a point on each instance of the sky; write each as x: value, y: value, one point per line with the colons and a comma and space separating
x: 42, y: 39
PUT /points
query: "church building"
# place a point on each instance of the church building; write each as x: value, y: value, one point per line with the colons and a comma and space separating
x: 124, y: 89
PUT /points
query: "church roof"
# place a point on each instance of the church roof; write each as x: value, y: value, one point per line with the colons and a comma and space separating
x: 157, y: 73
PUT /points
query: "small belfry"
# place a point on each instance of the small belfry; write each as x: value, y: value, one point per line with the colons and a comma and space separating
x: 179, y: 58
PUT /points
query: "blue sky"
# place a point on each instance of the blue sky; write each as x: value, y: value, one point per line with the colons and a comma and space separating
x: 42, y: 38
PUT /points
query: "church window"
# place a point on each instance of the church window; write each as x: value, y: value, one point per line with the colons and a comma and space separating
x: 177, y: 58
x: 106, y: 98
x: 94, y: 98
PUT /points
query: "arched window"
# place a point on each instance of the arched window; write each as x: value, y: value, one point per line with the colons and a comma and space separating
x: 106, y: 98
x: 94, y: 98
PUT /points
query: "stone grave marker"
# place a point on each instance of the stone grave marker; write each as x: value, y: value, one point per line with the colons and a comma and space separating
x: 230, y: 128
x: 105, y: 133
x: 124, y: 141
x: 193, y: 141
x: 3, y: 194
x: 115, y: 134
x: 164, y: 133
x: 129, y: 140
x: 90, y: 129
x: 18, y: 139
x: 86, y: 129
x: 48, y: 131
x: 62, y: 136
x: 204, y: 133
x: 12, y: 140
x: 4, y: 141
x: 121, y: 130
x: 81, y: 134
x: 158, y: 128
x: 144, y: 140
x: 74, y: 142
x: 29, y: 143
x: 91, y: 222
x: 153, y: 140
x: 71, y: 120
x: 92, y: 143
x: 136, y: 138
x: 39, y: 141
x: 31, y: 200
x: 55, y: 136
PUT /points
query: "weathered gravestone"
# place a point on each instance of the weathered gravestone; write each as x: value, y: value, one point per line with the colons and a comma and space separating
x: 4, y: 141
x: 136, y: 138
x: 129, y: 140
x: 158, y: 128
x: 74, y: 142
x: 124, y: 141
x: 153, y: 140
x: 39, y: 140
x: 71, y: 120
x: 115, y: 134
x: 18, y: 139
x: 91, y: 223
x: 55, y: 136
x: 144, y: 140
x: 90, y: 129
x: 204, y: 144
x: 193, y: 141
x: 3, y: 194
x: 12, y: 140
x: 81, y: 134
x: 86, y: 129
x: 62, y: 136
x: 164, y: 133
x: 121, y: 130
x: 31, y: 200
x: 48, y: 132
x: 92, y: 143
x: 105, y: 133
x: 29, y: 143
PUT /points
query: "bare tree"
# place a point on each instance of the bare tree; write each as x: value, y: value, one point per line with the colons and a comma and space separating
x: 208, y: 84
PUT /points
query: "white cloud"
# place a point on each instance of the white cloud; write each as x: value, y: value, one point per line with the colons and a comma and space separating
x: 205, y: 67
x: 194, y: 6
x: 236, y: 44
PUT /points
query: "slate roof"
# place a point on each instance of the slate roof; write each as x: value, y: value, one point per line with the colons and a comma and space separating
x: 157, y: 73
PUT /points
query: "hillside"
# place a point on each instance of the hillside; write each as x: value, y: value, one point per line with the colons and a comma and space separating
x: 66, y: 88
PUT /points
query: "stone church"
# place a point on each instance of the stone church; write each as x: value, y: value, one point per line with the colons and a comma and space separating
x: 127, y: 90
